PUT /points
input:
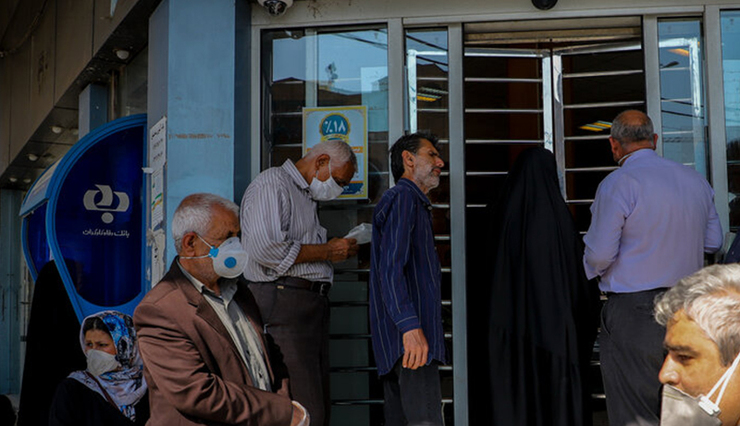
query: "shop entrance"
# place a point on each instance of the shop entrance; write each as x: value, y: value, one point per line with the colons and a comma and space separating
x: 559, y: 89
x: 552, y: 87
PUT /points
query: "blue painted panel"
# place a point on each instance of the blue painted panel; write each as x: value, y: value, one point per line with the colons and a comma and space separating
x: 198, y: 101
x: 98, y: 219
x: 35, y: 244
x: 38, y: 193
x: 94, y: 218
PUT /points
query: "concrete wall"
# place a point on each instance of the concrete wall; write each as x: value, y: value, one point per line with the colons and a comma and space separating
x: 34, y: 78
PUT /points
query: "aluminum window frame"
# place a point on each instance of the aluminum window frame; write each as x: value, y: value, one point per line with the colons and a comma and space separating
x: 714, y: 98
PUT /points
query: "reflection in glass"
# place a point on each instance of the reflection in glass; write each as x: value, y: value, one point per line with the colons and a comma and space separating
x: 133, y: 86
x: 682, y: 92
x: 329, y: 68
x: 598, y: 83
x: 313, y: 68
x: 730, y: 21
x: 427, y: 100
x: 427, y: 110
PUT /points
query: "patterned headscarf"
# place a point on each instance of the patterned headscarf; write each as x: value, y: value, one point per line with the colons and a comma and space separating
x: 125, y: 386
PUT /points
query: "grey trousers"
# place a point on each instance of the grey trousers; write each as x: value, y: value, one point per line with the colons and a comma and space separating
x: 631, y: 346
x: 412, y: 397
x: 298, y: 321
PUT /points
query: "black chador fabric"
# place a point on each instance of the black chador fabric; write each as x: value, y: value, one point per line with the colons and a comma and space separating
x: 543, y: 311
x: 52, y: 346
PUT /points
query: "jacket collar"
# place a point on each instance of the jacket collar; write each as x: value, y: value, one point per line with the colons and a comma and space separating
x: 242, y: 297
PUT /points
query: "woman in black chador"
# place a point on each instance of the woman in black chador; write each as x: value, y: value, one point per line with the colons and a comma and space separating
x: 543, y: 311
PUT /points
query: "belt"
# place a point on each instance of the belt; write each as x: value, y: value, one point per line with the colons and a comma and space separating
x: 321, y: 287
x: 636, y: 293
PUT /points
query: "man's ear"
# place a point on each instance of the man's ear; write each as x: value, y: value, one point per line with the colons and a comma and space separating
x: 188, y: 243
x: 616, y: 147
x: 322, y: 160
x: 408, y: 160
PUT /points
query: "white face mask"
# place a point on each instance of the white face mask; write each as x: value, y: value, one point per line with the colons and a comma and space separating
x: 99, y: 362
x: 326, y: 190
x: 682, y: 409
x: 229, y: 259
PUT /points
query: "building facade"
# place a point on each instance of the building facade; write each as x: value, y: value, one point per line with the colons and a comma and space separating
x: 230, y: 84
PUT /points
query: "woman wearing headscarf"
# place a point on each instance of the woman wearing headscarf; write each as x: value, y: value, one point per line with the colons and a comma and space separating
x: 543, y: 311
x: 112, y: 390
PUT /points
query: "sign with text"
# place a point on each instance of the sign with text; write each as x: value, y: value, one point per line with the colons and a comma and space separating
x: 91, y: 216
x: 347, y: 124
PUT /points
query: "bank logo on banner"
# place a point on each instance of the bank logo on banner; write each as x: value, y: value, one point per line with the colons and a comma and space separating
x: 104, y: 203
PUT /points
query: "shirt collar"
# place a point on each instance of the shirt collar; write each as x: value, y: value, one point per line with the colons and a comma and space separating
x: 227, y: 286
x: 642, y: 152
x: 293, y: 172
x: 415, y: 188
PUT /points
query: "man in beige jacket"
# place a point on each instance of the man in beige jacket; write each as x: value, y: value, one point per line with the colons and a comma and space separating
x: 200, y: 333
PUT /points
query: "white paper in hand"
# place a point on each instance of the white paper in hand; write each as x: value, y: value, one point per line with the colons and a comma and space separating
x: 362, y: 233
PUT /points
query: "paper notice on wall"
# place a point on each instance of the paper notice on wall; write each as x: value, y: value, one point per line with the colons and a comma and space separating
x: 157, y: 198
x: 158, y: 144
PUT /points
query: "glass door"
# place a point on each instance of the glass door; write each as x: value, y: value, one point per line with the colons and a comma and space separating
x: 531, y: 89
x: 592, y: 85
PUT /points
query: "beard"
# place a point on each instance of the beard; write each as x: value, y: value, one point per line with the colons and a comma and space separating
x: 426, y: 176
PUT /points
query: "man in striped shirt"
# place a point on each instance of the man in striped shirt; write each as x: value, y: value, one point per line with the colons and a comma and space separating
x: 289, y: 263
x: 405, y: 296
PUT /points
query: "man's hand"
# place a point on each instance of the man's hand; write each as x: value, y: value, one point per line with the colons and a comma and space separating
x: 415, y: 349
x: 300, y: 415
x: 341, y: 248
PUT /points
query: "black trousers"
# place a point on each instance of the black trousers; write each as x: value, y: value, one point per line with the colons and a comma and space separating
x: 298, y: 321
x: 631, y: 345
x: 412, y: 397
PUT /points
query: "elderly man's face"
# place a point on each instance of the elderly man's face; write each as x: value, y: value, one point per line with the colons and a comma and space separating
x: 693, y: 365
x: 224, y: 224
x: 342, y: 175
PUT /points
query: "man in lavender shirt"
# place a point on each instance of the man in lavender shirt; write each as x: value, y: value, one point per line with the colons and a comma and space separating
x: 652, y: 221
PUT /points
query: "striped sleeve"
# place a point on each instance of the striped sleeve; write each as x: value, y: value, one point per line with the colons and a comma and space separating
x: 266, y: 241
x: 394, y: 254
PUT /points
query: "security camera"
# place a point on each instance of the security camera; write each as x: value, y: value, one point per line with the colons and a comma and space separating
x: 275, y: 7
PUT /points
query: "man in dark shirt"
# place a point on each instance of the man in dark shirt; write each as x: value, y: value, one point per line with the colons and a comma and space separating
x: 405, y: 278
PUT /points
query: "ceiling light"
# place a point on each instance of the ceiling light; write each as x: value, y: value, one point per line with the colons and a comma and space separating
x: 75, y: 131
x: 122, y: 54
x: 56, y: 129
x: 13, y: 179
x: 32, y: 157
x: 27, y: 180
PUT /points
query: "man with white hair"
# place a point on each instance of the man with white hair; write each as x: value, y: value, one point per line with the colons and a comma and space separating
x: 205, y: 359
x: 702, y: 316
x: 289, y: 262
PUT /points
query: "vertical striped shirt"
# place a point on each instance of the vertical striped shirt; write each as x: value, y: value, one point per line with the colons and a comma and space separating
x: 277, y: 217
x: 405, y: 275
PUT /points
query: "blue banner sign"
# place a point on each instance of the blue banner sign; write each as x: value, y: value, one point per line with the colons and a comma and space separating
x: 94, y: 219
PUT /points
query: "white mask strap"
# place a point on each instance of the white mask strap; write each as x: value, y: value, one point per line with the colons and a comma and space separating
x: 205, y: 255
x: 724, y: 380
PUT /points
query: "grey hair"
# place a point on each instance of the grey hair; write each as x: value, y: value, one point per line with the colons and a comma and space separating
x: 628, y: 132
x: 339, y: 152
x: 710, y: 298
x: 194, y: 215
